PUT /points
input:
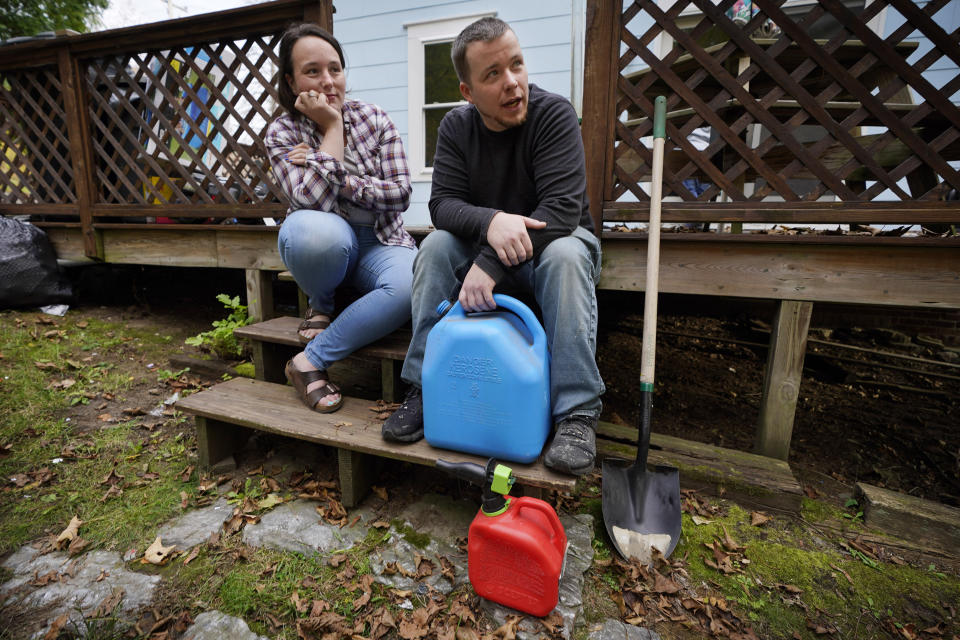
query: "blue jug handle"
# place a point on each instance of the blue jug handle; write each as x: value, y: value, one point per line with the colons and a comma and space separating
x: 511, y: 304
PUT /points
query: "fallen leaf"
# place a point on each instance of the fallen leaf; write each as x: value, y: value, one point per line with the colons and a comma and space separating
x: 108, y: 606
x: 508, y: 630
x: 270, y: 501
x: 156, y: 553
x: 113, y: 492
x: 76, y: 546
x: 553, y: 622
x: 186, y: 473
x: 54, y: 631
x: 810, y: 492
x: 697, y: 520
x: 380, y: 491
x: 361, y: 602
x: 298, y: 604
x: 69, y: 534
x: 663, y: 584
x: 192, y: 555
x: 66, y: 383
x: 758, y: 519
x: 112, y: 478
x: 184, y: 499
x: 728, y: 542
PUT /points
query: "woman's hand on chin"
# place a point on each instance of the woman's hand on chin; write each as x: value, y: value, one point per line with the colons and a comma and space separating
x: 314, y: 105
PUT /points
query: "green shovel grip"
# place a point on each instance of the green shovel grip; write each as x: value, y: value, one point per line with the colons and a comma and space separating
x: 660, y: 117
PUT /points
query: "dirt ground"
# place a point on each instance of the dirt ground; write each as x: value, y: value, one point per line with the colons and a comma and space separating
x: 890, y: 422
x: 887, y: 421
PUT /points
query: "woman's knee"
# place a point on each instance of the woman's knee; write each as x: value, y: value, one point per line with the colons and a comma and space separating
x: 316, y: 232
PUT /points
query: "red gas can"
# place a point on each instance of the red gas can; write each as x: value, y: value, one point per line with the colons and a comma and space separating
x: 515, y: 556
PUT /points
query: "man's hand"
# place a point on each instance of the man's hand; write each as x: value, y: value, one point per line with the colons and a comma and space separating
x: 476, y: 294
x: 314, y: 105
x: 508, y: 236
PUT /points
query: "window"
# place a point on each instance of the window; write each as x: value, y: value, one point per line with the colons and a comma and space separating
x: 432, y: 86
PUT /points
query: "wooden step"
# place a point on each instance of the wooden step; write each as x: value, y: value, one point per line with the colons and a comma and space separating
x: 750, y: 479
x: 225, y: 411
x: 274, y: 341
x: 923, y: 522
x: 283, y: 330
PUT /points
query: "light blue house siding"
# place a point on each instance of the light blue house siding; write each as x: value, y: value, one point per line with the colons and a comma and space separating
x: 374, y: 37
x: 943, y: 70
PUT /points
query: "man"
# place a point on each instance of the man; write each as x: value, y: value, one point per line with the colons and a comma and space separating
x: 510, y: 208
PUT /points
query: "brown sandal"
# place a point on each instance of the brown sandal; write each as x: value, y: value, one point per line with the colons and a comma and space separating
x: 302, y: 379
x: 311, y: 324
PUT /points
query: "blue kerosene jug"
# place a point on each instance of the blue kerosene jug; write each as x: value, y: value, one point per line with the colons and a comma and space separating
x: 486, y: 382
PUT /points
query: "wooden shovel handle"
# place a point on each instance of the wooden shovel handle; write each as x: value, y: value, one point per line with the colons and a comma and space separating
x: 653, y: 248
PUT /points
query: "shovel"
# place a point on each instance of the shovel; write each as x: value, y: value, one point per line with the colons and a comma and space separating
x: 641, y: 504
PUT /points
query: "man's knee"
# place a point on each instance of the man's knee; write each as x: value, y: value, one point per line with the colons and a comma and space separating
x: 439, y: 248
x: 569, y: 255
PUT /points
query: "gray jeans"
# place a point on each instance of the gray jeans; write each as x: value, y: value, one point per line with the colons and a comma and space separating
x: 563, y: 280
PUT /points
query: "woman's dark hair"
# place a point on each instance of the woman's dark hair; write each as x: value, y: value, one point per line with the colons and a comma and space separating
x: 293, y: 33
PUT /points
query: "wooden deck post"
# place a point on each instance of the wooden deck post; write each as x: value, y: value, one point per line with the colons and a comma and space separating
x: 81, y: 149
x: 603, y: 31
x: 781, y: 384
x: 259, y: 294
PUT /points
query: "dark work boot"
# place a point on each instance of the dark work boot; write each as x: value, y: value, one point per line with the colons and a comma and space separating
x: 574, y: 446
x: 406, y: 423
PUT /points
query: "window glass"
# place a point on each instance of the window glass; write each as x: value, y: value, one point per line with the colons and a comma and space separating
x: 440, y: 80
x: 432, y: 119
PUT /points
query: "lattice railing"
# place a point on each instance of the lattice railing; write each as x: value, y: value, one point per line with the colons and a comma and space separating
x: 805, y: 105
x: 34, y: 148
x: 160, y: 123
x: 183, y: 126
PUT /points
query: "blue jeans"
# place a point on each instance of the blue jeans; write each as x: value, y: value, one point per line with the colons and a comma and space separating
x: 323, y: 251
x: 563, y: 280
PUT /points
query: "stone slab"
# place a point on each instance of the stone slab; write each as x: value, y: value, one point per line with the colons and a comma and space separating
x: 195, y: 527
x: 76, y: 588
x: 216, y: 625
x: 296, y: 526
x: 616, y: 630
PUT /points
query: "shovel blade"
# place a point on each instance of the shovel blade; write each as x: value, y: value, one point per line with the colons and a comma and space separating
x: 641, y: 508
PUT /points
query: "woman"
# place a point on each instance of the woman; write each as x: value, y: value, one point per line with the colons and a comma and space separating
x: 342, y: 167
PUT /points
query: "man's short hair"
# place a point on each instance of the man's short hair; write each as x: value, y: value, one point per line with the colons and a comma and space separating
x: 484, y: 30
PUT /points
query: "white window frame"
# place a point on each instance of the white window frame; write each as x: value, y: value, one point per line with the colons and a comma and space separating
x: 420, y: 34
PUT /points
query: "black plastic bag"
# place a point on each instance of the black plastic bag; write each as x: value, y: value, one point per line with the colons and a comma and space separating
x: 29, y: 274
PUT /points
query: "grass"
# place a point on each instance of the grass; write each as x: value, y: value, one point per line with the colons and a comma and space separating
x: 48, y: 368
x: 258, y: 585
x: 876, y: 595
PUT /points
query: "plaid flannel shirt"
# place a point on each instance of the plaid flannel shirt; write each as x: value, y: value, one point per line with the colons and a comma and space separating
x: 384, y: 186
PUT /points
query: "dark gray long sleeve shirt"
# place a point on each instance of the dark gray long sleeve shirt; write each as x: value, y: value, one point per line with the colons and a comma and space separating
x: 536, y: 169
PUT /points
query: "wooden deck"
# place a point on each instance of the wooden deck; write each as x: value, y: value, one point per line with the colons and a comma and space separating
x: 918, y: 272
